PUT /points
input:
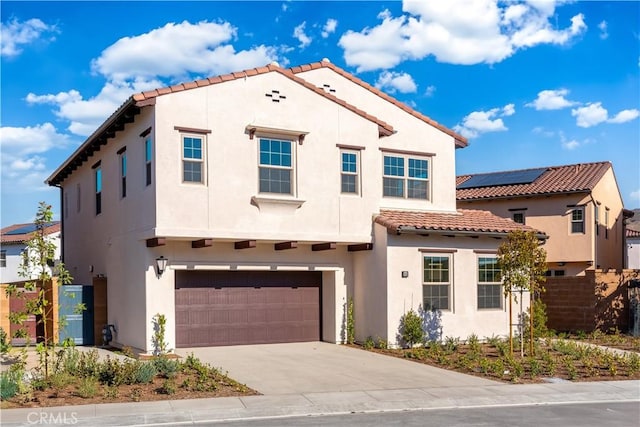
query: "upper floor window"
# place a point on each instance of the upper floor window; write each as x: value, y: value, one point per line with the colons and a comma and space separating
x: 350, y: 171
x: 489, y: 284
x: 436, y: 283
x: 3, y: 258
x: 276, y: 166
x: 98, y: 182
x: 518, y: 217
x: 147, y: 160
x: 577, y: 220
x: 192, y: 159
x: 596, y: 219
x: 406, y: 176
x: 606, y: 223
x: 123, y: 172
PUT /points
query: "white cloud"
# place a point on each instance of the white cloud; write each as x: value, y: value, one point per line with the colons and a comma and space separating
x: 488, y: 32
x: 590, y: 115
x: 594, y: 113
x: 177, y: 50
x: 15, y: 34
x: 329, y: 27
x: 551, y: 100
x: 23, y: 166
x: 392, y: 81
x: 479, y: 122
x: 430, y: 91
x: 635, y: 194
x: 625, y: 116
x: 298, y: 33
x: 568, y: 144
x: 604, y: 34
x: 539, y: 130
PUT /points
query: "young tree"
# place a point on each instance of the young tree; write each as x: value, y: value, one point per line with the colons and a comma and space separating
x: 38, y: 268
x: 523, y: 265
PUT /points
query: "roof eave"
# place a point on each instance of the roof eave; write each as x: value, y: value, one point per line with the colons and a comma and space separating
x: 464, y: 233
x: 102, y: 132
x: 522, y: 196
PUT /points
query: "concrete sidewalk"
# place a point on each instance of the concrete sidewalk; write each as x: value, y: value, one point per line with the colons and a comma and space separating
x: 190, y: 412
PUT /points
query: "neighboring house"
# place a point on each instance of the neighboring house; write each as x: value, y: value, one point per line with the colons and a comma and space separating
x: 274, y: 196
x: 578, y: 206
x: 633, y: 249
x: 13, y: 244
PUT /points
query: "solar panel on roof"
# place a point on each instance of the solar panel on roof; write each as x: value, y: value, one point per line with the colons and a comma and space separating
x: 26, y: 229
x: 502, y: 178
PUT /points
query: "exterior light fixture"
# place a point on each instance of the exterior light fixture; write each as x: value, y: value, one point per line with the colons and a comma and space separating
x: 161, y: 265
x: 405, y: 274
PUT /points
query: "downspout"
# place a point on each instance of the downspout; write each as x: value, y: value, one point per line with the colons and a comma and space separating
x: 595, y: 234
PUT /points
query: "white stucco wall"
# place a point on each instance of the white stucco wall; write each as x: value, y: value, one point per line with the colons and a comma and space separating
x: 11, y: 272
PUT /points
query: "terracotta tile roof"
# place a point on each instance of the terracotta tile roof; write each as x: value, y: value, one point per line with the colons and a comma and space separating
x: 461, y: 141
x: 576, y: 178
x: 22, y: 237
x: 463, y: 221
x: 146, y: 98
x: 632, y: 233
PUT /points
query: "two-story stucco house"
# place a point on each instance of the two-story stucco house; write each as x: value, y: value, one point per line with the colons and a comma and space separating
x: 13, y: 243
x: 274, y: 196
x: 578, y: 206
x: 633, y: 249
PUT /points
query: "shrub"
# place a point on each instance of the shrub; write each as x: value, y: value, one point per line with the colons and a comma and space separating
x: 165, y: 367
x: 539, y: 320
x: 411, y: 330
x: 368, y: 343
x: 111, y: 392
x: 145, y: 373
x: 9, y: 384
x: 87, y: 364
x: 87, y: 388
x: 168, y: 387
x: 382, y: 344
x: 351, y: 324
x: 4, y: 342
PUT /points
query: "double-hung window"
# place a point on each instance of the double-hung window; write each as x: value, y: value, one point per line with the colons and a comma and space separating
x: 192, y: 159
x: 350, y: 171
x: 606, y: 223
x: 518, y: 217
x: 3, y: 258
x: 276, y: 166
x: 122, y: 153
x: 577, y: 220
x: 98, y: 188
x: 436, y: 283
x: 489, y: 284
x: 405, y: 176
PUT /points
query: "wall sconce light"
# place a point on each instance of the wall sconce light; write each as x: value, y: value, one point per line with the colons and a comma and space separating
x: 405, y: 274
x: 161, y: 265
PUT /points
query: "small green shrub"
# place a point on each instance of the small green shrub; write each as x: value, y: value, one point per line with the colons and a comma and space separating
x: 411, y: 330
x: 136, y: 394
x: 166, y: 367
x: 368, y: 343
x: 111, y: 392
x: 4, y: 342
x: 351, y: 323
x: 145, y: 373
x: 9, y: 384
x: 86, y: 365
x: 168, y: 387
x: 60, y: 380
x: 534, y: 367
x: 87, y: 388
x: 382, y: 344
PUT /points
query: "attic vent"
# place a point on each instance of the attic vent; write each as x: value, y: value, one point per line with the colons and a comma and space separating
x: 327, y: 88
x: 275, y: 96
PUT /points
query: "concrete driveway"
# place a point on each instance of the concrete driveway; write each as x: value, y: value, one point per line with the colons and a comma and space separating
x: 276, y: 369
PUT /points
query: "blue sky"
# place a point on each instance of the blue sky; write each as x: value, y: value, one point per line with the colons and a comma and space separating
x: 532, y: 83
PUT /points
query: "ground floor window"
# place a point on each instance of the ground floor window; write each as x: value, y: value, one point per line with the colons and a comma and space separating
x: 489, y: 284
x: 436, y: 283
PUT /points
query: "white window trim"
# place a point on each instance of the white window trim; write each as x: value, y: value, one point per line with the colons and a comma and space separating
x: 572, y: 221
x: 478, y: 283
x: 357, y: 173
x: 123, y: 166
x: 202, y: 160
x: 406, y: 156
x: 449, y: 284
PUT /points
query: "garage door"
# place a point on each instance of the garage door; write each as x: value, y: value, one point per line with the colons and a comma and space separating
x: 215, y: 308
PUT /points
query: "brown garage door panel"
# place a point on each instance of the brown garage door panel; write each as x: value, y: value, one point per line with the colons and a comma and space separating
x: 235, y: 314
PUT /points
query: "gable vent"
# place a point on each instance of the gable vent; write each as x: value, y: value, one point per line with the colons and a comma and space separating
x: 275, y: 96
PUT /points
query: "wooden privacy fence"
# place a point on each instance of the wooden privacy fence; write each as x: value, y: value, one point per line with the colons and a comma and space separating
x: 598, y: 300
